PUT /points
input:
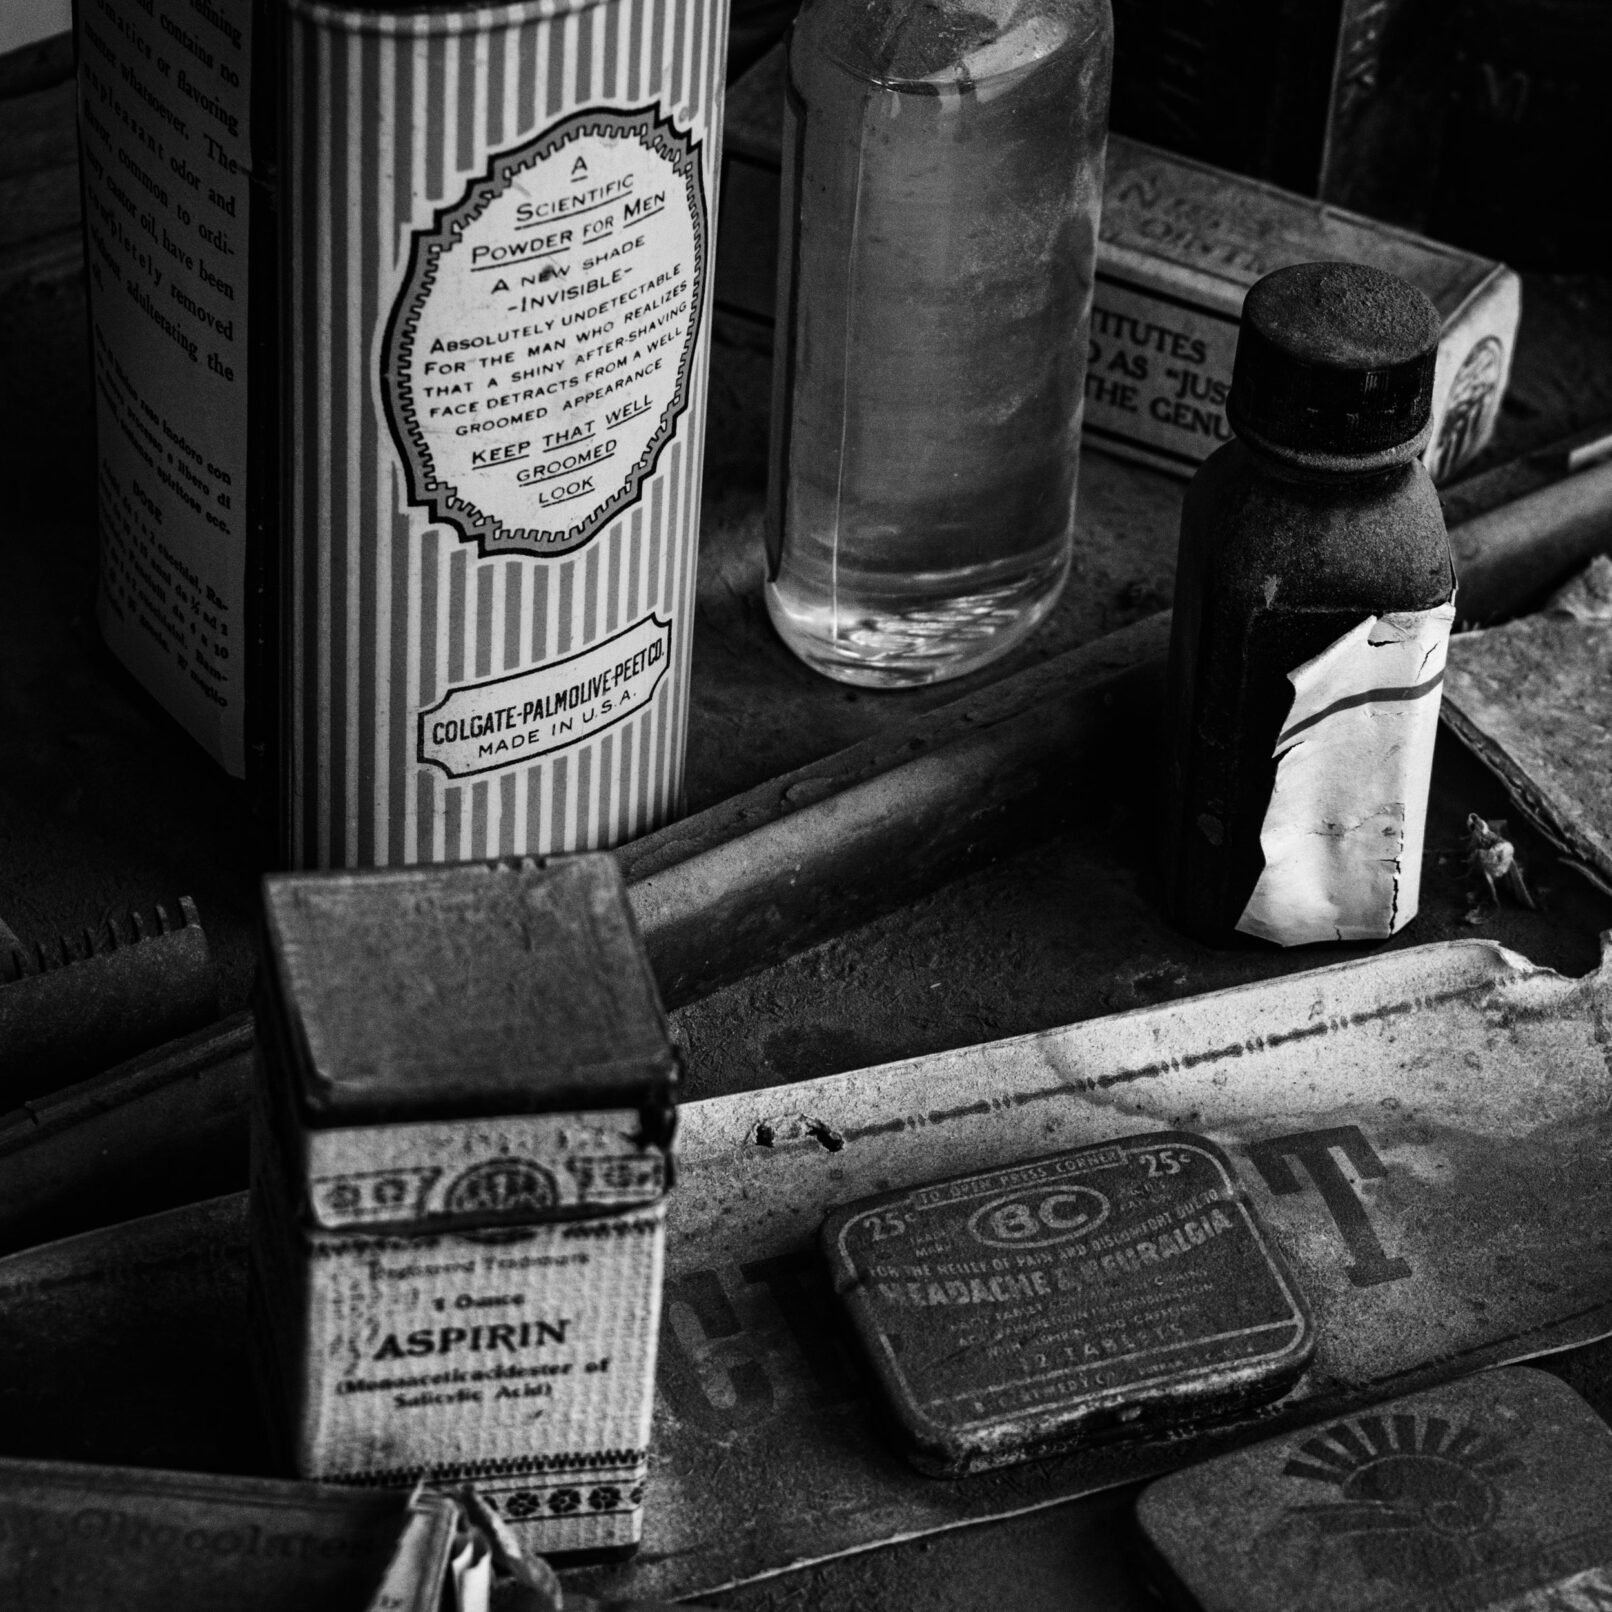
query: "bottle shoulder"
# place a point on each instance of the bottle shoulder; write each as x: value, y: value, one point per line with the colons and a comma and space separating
x: 1373, y: 543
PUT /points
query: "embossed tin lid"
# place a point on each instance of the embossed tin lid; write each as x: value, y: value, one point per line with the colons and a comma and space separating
x: 1494, y: 1492
x: 476, y: 989
x: 1020, y: 1311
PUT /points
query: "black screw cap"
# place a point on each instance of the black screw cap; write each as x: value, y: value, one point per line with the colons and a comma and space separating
x: 1334, y: 358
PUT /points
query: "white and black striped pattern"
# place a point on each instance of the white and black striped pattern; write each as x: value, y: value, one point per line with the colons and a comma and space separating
x: 389, y: 116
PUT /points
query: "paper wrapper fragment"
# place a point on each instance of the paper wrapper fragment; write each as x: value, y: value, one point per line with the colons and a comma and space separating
x: 1347, y: 818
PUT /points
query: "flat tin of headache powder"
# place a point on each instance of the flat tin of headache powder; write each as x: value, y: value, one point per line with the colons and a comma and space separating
x: 1020, y: 1311
x: 1493, y: 1492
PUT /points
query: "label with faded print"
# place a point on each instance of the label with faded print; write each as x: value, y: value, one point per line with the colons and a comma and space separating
x: 521, y: 1360
x: 474, y: 1299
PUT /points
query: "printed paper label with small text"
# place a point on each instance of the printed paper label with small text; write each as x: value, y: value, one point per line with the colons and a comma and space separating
x: 539, y: 354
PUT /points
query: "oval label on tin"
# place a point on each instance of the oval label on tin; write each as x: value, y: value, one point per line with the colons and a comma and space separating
x: 538, y: 358
x: 1034, y: 1217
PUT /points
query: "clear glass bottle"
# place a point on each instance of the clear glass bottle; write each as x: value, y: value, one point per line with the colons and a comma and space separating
x: 943, y: 171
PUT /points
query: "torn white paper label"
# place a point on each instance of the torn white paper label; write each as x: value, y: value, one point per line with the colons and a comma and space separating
x: 472, y: 1575
x: 1343, y: 832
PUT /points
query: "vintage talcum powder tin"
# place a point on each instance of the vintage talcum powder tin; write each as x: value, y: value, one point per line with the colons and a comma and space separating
x: 1493, y: 1492
x: 461, y: 1152
x: 1023, y: 1310
x: 401, y: 364
x: 1181, y: 244
x: 501, y: 224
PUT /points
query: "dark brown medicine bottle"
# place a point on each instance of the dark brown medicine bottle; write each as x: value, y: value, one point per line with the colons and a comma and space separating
x: 1314, y: 598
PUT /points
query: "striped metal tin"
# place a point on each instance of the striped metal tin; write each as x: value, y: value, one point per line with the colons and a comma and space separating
x: 500, y: 228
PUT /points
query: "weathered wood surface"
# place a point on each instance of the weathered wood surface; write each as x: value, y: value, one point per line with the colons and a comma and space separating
x: 165, y: 1129
x: 718, y: 896
x: 1533, y: 701
x: 1507, y: 556
x: 103, y: 804
x: 724, y: 894
x: 764, y: 875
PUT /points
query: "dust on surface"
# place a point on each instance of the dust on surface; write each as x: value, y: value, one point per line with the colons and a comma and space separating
x: 1069, y: 930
